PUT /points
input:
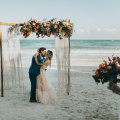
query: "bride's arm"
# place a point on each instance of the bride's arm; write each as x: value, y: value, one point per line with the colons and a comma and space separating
x: 36, y: 60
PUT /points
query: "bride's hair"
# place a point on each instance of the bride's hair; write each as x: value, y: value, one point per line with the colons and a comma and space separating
x: 50, y: 55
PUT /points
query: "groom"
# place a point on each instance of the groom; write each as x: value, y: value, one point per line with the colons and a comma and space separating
x: 34, y: 71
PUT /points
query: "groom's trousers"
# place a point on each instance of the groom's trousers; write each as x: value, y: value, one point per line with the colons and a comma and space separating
x: 33, y: 86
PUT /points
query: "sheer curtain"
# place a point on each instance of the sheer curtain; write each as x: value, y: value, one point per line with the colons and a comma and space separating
x: 62, y: 55
x: 12, y: 65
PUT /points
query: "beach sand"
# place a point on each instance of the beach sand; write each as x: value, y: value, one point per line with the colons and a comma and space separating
x: 87, y: 101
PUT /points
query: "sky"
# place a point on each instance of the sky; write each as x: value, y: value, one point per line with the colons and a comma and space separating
x: 92, y: 19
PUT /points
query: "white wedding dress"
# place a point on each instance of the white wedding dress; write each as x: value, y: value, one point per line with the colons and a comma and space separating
x: 45, y: 93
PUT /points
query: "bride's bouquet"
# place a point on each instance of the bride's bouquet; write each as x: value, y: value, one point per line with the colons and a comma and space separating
x: 108, y: 71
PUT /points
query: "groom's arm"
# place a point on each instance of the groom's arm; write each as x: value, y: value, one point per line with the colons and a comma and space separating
x: 45, y: 63
x: 40, y: 60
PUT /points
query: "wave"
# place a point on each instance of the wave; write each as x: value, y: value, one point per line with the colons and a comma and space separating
x: 75, y: 52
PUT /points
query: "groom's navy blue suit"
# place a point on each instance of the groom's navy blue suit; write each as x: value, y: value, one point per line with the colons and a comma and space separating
x: 34, y: 71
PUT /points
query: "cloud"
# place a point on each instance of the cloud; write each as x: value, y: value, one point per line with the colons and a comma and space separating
x: 81, y: 31
x: 107, y: 30
x: 101, y: 32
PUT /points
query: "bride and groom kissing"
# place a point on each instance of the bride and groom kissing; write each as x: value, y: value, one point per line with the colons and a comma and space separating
x: 41, y: 90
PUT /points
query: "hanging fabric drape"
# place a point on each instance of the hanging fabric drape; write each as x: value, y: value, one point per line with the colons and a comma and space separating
x: 62, y: 55
x: 11, y: 49
x: 12, y: 65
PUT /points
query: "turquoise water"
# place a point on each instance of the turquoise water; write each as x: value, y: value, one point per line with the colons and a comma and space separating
x: 76, y: 45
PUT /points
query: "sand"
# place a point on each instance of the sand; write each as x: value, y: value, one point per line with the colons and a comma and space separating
x: 87, y: 101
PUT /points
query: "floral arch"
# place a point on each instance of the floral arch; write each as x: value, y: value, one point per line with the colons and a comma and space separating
x: 62, y: 30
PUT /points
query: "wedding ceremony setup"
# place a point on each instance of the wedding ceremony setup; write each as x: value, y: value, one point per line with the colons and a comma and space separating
x: 59, y: 60
x: 12, y: 73
x: 11, y: 64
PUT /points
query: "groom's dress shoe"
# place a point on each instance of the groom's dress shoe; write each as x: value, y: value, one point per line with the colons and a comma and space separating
x: 32, y: 101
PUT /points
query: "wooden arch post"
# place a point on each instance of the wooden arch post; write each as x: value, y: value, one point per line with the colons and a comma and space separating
x: 1, y: 62
x: 68, y: 86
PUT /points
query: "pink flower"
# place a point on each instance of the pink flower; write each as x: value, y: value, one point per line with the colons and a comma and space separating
x: 101, y: 66
x: 64, y: 23
x: 57, y: 22
x: 44, y: 24
x: 55, y: 26
x: 42, y: 35
x: 28, y: 23
x: 34, y: 23
x: 48, y: 23
x: 53, y: 33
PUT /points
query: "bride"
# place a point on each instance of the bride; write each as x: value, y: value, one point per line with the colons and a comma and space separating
x: 44, y: 91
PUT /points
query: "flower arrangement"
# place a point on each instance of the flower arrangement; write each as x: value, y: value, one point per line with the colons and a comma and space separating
x: 108, y: 71
x: 42, y: 29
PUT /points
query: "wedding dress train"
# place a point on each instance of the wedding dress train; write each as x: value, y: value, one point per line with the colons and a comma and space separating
x: 45, y: 93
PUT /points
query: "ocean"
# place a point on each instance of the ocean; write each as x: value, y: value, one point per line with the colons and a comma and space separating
x: 77, y: 46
